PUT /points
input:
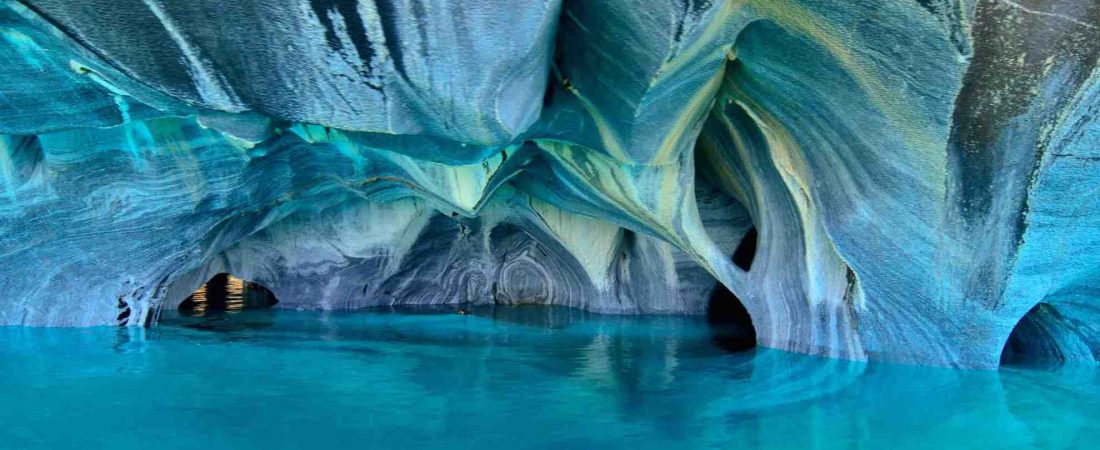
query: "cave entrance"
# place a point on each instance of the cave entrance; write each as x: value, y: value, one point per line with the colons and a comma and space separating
x: 227, y: 293
x: 746, y: 250
x: 1034, y: 340
x: 730, y: 323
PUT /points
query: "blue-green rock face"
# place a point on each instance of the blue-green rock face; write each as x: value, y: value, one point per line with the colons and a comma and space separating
x: 917, y: 176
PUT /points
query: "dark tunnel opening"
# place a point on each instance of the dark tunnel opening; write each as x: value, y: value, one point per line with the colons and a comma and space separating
x: 746, y: 250
x: 1034, y: 339
x: 731, y: 326
x: 225, y: 293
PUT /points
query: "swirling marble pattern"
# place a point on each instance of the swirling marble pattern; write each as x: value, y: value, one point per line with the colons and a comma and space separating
x: 918, y: 175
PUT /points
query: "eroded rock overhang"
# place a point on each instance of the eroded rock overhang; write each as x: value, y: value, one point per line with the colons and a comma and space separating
x: 916, y: 175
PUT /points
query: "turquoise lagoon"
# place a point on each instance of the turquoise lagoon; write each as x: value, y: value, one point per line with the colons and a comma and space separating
x: 498, y: 378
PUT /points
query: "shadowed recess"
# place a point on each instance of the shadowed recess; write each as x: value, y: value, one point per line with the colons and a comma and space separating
x: 730, y: 323
x: 746, y: 251
x: 1031, y: 340
x: 1050, y: 334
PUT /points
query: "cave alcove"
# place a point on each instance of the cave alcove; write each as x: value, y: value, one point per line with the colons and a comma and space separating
x: 746, y: 250
x: 225, y: 293
x: 1035, y: 338
x: 730, y: 323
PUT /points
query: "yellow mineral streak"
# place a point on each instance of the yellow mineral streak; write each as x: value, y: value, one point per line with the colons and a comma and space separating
x: 458, y: 188
x: 823, y: 261
x: 915, y: 129
x: 593, y: 242
x: 650, y: 195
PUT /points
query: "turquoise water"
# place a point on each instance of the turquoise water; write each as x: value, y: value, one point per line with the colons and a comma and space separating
x: 502, y: 378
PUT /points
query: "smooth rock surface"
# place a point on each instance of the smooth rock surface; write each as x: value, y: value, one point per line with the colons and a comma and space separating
x: 918, y: 175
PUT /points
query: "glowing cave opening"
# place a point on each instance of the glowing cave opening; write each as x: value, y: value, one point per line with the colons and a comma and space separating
x: 227, y: 293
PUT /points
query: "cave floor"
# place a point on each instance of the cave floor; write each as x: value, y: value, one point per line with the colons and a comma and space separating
x: 520, y: 377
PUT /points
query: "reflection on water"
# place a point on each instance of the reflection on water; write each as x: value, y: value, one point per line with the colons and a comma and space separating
x: 503, y: 377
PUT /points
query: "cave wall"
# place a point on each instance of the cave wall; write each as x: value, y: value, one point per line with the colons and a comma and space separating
x: 920, y: 174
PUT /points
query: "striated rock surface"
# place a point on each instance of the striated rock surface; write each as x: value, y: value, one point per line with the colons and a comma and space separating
x: 877, y: 179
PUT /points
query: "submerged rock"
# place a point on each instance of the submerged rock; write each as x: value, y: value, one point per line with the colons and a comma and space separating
x: 913, y: 176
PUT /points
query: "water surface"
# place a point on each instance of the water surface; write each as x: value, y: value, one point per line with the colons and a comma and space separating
x: 523, y: 377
